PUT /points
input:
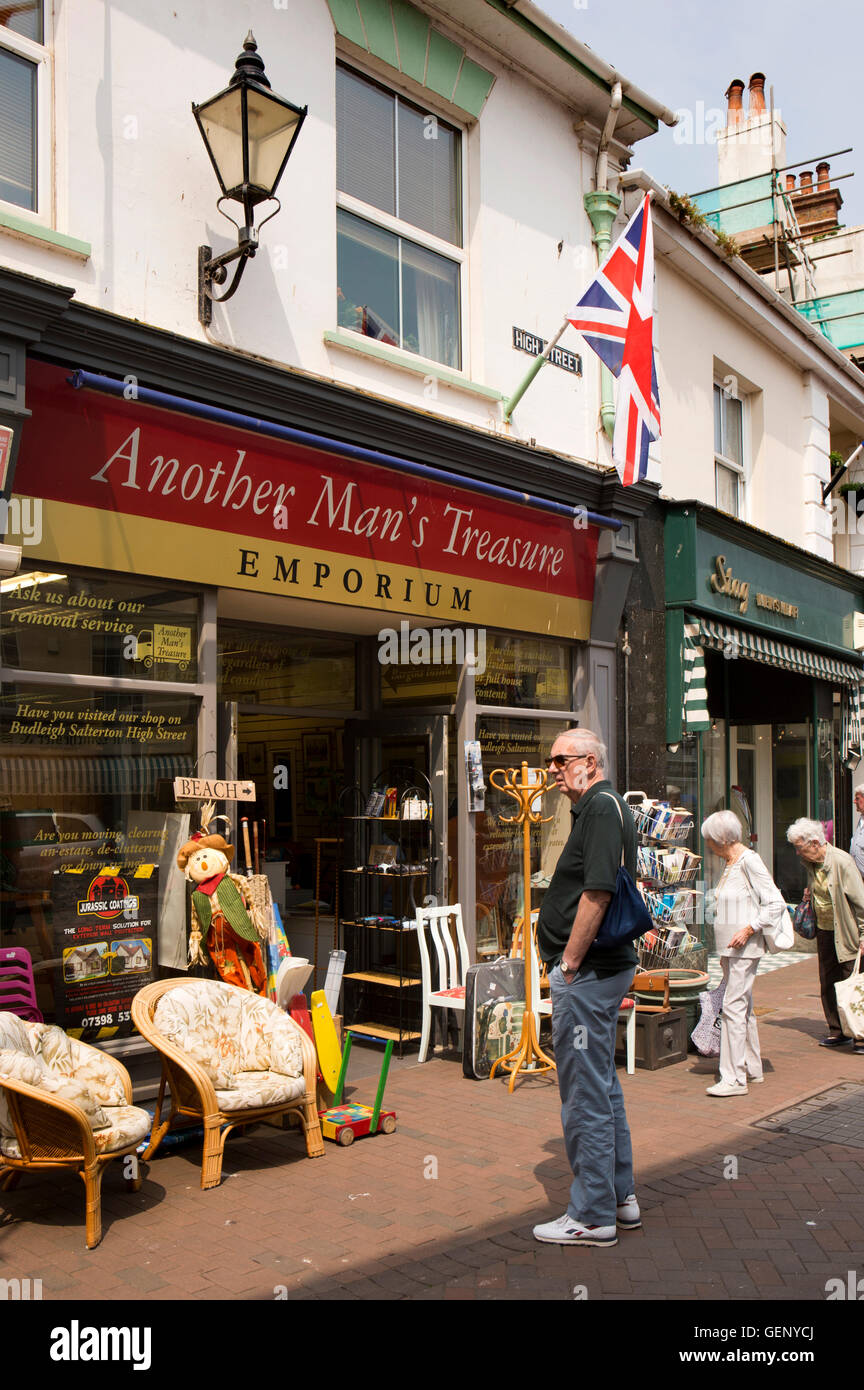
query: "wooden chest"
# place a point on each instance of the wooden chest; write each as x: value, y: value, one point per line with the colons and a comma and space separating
x: 661, y: 1039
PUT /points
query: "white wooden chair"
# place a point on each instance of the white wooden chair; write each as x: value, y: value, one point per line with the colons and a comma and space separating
x: 443, y: 981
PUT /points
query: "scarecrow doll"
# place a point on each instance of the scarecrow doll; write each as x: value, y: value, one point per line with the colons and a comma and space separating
x: 222, y: 913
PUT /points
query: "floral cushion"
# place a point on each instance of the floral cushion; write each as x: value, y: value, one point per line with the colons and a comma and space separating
x: 229, y: 1032
x: 125, y: 1125
x: 259, y: 1088
x: 66, y: 1057
x: 14, y: 1034
x: 18, y: 1066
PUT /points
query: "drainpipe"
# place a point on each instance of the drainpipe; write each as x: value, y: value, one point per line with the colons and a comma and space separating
x: 602, y: 206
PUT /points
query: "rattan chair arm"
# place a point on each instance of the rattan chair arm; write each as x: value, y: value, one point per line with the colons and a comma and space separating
x: 68, y: 1107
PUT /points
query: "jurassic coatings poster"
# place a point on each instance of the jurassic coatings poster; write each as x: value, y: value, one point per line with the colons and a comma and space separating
x: 104, y: 935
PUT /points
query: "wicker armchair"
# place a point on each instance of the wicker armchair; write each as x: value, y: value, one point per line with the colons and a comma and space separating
x: 207, y: 1037
x: 52, y: 1131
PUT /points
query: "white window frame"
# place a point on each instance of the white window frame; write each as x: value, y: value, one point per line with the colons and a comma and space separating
x: 41, y: 55
x: 409, y: 232
x: 742, y: 469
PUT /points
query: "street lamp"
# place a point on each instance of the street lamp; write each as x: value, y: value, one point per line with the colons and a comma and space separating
x: 249, y: 133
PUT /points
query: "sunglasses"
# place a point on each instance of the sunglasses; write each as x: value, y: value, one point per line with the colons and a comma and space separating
x: 562, y: 759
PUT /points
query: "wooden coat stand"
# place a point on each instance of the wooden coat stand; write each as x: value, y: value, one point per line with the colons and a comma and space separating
x: 529, y: 1056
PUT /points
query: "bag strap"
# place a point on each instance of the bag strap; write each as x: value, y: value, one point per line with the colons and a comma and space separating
x: 621, y: 818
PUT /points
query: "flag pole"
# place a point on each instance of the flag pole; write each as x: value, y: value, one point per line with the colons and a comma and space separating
x: 510, y: 406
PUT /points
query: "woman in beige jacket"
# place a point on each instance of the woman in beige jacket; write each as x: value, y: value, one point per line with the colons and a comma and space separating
x: 836, y: 892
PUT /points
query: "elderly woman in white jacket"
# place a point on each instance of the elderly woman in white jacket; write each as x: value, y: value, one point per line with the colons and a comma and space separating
x: 745, y: 905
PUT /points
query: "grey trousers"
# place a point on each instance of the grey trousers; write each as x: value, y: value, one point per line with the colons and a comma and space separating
x: 596, y: 1134
x: 740, y: 1056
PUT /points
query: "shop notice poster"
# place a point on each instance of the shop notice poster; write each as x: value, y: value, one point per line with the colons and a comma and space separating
x: 104, y: 932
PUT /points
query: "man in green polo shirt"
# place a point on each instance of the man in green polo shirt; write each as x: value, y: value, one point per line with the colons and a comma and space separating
x: 588, y: 984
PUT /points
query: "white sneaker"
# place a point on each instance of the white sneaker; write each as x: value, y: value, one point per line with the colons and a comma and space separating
x: 754, y: 1080
x: 627, y: 1214
x: 726, y: 1088
x: 566, y: 1231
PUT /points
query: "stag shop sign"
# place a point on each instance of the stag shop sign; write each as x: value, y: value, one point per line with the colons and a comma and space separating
x: 132, y: 487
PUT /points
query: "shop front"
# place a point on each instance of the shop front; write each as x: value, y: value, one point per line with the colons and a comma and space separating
x: 763, y: 678
x: 212, y: 597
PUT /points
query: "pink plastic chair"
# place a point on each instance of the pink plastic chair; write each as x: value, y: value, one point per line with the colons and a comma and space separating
x: 17, y: 988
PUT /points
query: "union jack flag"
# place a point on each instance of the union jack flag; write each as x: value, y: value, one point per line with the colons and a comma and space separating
x: 615, y: 316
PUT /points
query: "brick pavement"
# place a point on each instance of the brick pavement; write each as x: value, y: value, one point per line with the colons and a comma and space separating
x: 443, y: 1208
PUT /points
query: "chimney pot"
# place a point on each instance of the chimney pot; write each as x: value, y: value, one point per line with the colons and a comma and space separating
x: 806, y: 181
x: 822, y: 171
x: 734, y: 95
x: 757, y: 93
x: 790, y: 183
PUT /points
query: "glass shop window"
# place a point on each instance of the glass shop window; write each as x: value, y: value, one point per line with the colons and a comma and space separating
x: 266, y: 666
x: 526, y: 673
x: 98, y: 625
x: 89, y: 831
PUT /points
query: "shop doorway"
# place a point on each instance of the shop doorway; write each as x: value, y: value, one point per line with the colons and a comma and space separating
x: 750, y: 785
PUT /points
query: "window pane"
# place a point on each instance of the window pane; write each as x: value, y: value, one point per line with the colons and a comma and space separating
x: 430, y: 305
x: 733, y: 432
x: 17, y: 130
x: 24, y: 17
x: 428, y: 174
x: 727, y: 489
x: 265, y: 666
x: 365, y: 141
x: 525, y: 672
x: 90, y: 624
x: 718, y: 420
x: 368, y: 279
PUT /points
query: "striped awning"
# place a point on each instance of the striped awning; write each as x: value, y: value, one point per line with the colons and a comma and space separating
x: 754, y: 646
x: 696, y: 716
x: 50, y: 777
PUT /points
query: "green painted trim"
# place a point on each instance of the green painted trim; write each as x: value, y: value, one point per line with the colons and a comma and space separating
x: 412, y: 36
x: 570, y: 58
x: 378, y: 23
x: 396, y: 357
x: 36, y: 232
x: 442, y: 69
x: 473, y: 87
x: 346, y: 17
x: 403, y: 38
x: 674, y: 675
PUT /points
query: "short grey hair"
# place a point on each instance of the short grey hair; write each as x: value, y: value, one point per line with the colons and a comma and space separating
x: 588, y: 743
x: 723, y: 827
x: 803, y: 830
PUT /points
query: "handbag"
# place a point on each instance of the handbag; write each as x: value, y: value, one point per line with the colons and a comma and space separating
x: 779, y: 937
x: 626, y: 917
x: 850, y: 1002
x: 706, y: 1034
x: 804, y: 920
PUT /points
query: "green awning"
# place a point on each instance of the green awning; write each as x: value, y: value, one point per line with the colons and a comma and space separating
x: 695, y: 705
x: 754, y: 646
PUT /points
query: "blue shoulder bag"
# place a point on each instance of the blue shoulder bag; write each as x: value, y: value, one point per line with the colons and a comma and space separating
x: 627, y: 917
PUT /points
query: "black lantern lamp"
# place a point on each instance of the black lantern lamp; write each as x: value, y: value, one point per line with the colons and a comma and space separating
x: 249, y: 133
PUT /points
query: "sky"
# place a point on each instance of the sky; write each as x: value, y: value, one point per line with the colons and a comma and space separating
x: 684, y: 53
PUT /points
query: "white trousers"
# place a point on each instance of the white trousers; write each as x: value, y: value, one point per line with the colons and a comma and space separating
x: 739, y: 1037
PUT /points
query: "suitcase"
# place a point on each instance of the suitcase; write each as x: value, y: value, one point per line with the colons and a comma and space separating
x: 494, y: 1005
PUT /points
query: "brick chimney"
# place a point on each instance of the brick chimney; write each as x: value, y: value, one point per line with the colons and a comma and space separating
x: 735, y: 97
x: 757, y: 94
x: 790, y: 183
x: 817, y: 206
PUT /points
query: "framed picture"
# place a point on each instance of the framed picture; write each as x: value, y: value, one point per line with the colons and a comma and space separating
x: 317, y: 796
x: 316, y: 751
x: 256, y: 759
x: 382, y: 854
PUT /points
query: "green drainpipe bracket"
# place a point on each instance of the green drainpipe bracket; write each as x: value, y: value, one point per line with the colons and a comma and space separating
x: 602, y: 207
